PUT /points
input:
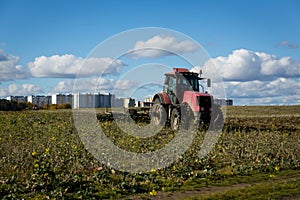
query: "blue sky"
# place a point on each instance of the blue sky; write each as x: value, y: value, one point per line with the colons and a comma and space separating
x: 232, y: 32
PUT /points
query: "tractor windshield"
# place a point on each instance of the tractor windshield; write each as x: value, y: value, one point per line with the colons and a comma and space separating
x: 190, y: 83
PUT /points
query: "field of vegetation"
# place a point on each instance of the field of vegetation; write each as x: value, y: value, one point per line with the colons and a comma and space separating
x: 257, y: 157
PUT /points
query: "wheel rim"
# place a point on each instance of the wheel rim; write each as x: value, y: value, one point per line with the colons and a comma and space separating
x: 156, y: 114
x: 175, y: 120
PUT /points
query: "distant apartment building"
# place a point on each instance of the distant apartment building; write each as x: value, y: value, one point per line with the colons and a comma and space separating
x: 83, y: 100
x: 124, y: 102
x: 62, y: 99
x: 19, y: 99
x: 40, y: 100
x: 224, y: 102
x: 89, y: 100
x: 78, y: 100
x: 104, y: 100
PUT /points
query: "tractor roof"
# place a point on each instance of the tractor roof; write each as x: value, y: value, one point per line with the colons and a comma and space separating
x: 184, y: 72
x: 178, y: 70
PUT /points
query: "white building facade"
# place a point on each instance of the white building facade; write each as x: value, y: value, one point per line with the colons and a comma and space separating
x: 40, y: 100
x: 89, y: 100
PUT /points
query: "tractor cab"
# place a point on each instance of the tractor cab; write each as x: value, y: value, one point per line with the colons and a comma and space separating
x: 179, y: 81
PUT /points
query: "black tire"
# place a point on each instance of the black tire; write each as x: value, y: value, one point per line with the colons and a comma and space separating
x: 158, y: 113
x: 217, y: 118
x: 187, y: 116
x: 175, y: 119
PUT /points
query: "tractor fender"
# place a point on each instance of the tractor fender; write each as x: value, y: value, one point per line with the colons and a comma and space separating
x: 163, y: 98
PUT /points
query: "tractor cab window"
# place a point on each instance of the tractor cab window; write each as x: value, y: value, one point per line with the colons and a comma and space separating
x: 190, y: 83
x: 166, y: 85
x: 170, y: 85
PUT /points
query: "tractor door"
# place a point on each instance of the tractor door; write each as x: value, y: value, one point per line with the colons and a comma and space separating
x: 170, y: 88
x: 186, y: 83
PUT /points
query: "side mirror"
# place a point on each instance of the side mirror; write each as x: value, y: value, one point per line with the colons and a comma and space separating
x: 208, y: 82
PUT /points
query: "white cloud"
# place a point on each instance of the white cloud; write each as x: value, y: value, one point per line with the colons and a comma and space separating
x: 255, y: 77
x: 161, y: 45
x: 23, y: 89
x: 279, y: 87
x: 84, y: 85
x: 9, y: 68
x: 246, y: 65
x: 68, y: 66
x: 279, y: 67
x: 94, y: 85
x: 278, y: 91
x: 289, y: 100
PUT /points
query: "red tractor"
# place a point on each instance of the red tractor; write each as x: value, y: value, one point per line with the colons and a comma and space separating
x: 183, y: 99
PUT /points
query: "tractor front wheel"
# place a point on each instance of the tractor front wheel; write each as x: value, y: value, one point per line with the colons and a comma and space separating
x: 217, y: 118
x: 187, y: 116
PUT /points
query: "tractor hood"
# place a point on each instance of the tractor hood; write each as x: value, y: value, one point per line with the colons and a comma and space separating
x: 198, y: 102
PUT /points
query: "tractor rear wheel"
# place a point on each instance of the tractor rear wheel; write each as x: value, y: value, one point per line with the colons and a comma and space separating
x: 158, y: 113
x: 175, y: 119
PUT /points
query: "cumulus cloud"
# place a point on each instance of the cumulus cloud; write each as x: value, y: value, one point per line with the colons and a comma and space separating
x: 246, y: 65
x: 259, y: 92
x: 23, y: 89
x: 58, y: 66
x: 94, y: 85
x: 288, y: 44
x: 161, y: 45
x: 255, y: 77
x: 288, y: 100
x: 10, y: 69
x: 280, y: 87
x: 84, y: 85
x: 279, y: 67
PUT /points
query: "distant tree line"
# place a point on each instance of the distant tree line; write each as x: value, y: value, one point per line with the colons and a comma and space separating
x: 57, y: 106
x: 6, y: 105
